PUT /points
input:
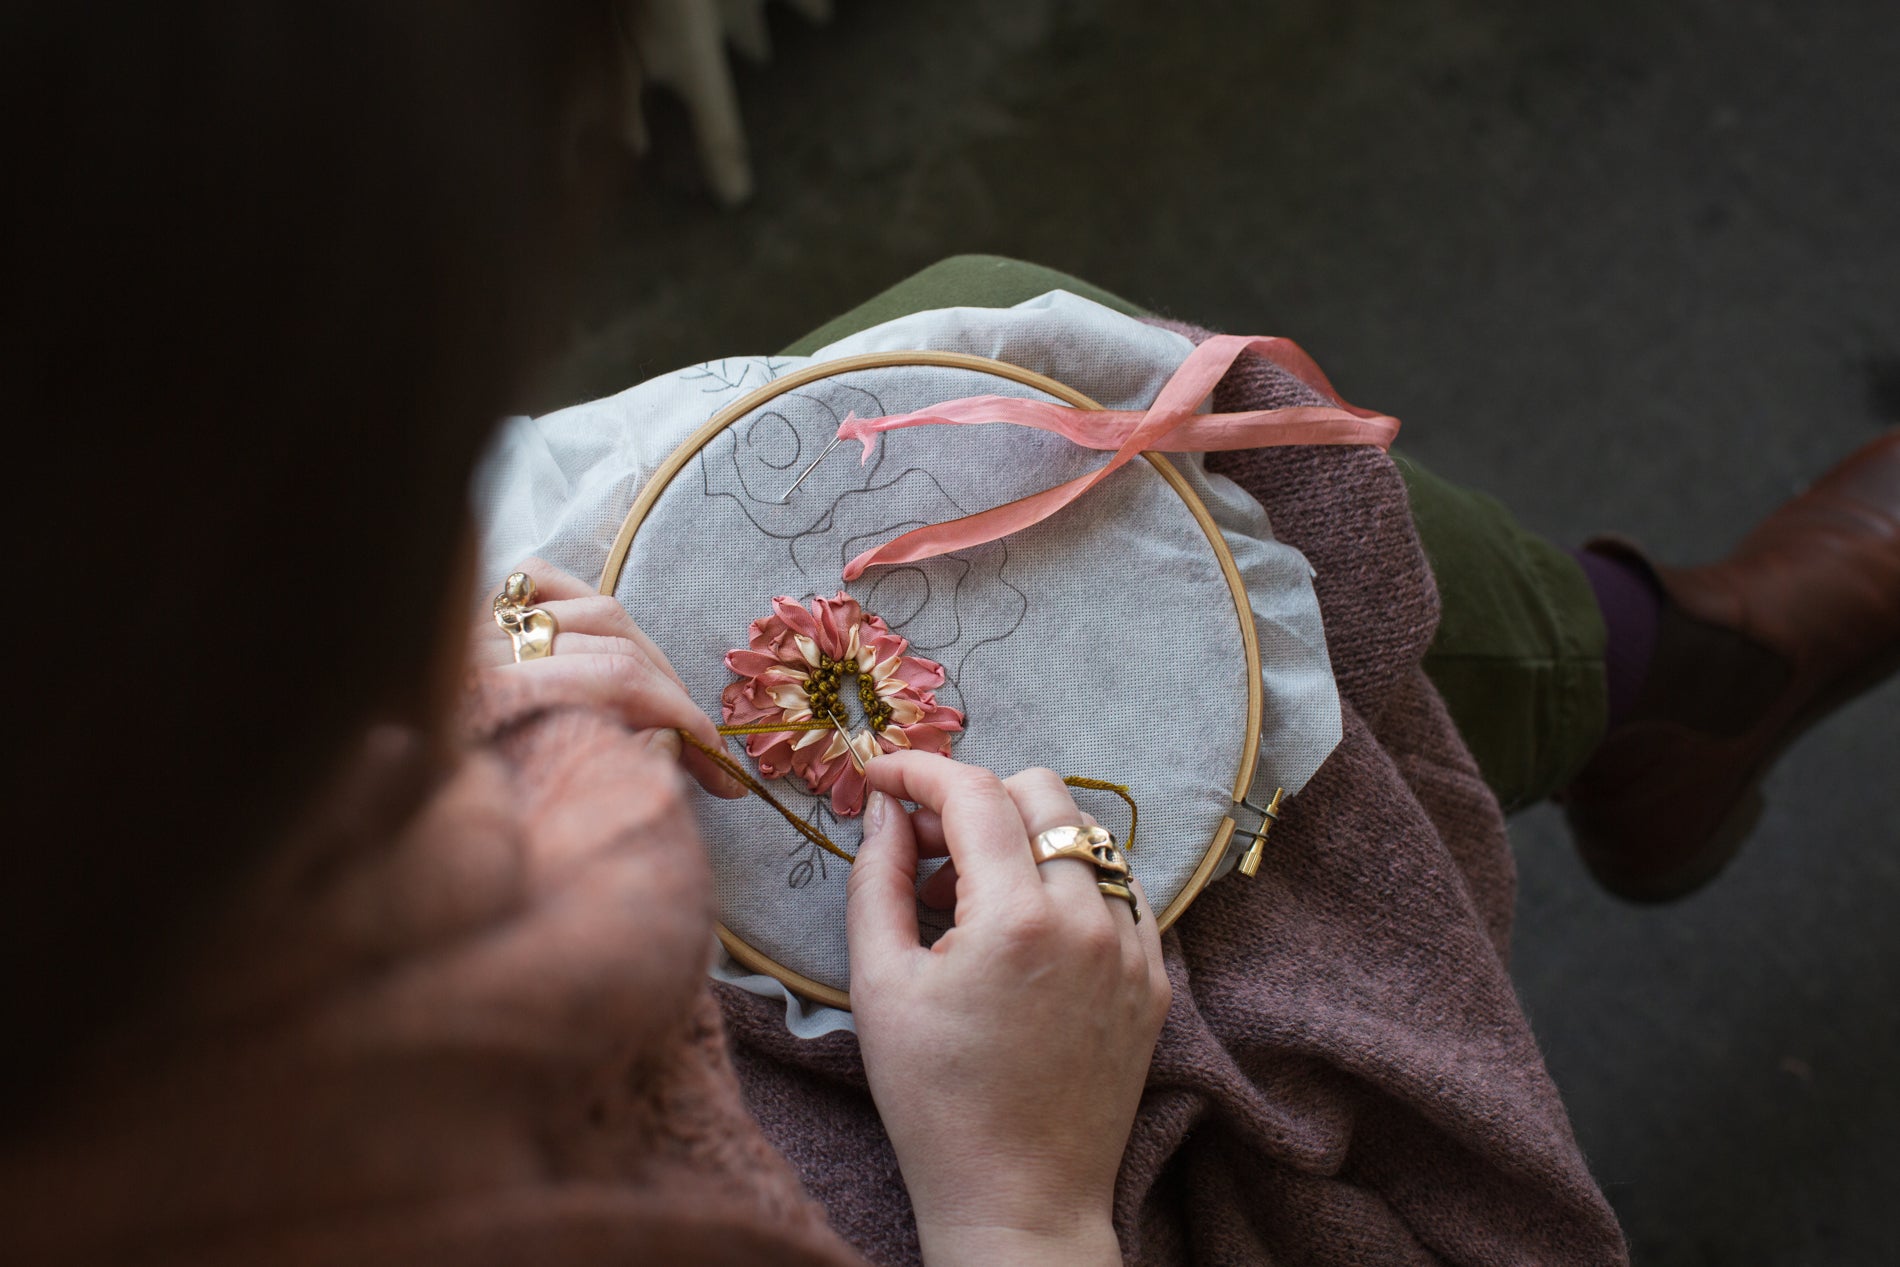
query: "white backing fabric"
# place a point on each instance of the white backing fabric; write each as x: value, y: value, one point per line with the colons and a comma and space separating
x: 1103, y: 642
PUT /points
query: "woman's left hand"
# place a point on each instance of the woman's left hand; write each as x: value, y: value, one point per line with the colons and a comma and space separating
x: 599, y: 659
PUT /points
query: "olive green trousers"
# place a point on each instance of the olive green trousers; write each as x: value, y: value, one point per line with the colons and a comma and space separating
x: 1518, y: 655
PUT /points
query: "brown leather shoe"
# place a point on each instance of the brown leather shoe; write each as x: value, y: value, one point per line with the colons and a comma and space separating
x: 1752, y: 651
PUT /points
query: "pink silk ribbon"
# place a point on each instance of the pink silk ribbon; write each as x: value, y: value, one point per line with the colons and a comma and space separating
x: 1170, y: 424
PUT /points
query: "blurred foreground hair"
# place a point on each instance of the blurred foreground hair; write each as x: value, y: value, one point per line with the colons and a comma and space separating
x: 271, y: 273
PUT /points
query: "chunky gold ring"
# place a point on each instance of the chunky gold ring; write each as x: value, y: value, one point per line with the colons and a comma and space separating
x: 530, y: 629
x: 1111, y: 888
x: 1093, y: 845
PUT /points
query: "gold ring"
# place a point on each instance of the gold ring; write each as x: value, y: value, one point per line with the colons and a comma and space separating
x: 1111, y: 888
x: 530, y: 629
x: 1093, y: 845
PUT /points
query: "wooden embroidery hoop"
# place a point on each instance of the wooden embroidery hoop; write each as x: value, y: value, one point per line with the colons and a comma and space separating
x: 747, y: 955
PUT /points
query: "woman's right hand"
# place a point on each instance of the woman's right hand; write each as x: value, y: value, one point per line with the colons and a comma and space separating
x: 1008, y: 1059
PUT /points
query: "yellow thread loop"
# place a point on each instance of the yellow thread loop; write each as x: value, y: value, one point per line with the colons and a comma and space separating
x: 1102, y: 785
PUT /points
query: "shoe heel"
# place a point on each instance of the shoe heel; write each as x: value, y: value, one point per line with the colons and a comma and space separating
x: 1721, y: 850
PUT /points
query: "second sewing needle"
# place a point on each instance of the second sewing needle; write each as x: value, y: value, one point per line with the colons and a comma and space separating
x: 787, y: 494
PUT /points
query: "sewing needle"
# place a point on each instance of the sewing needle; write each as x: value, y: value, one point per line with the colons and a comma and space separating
x: 787, y: 494
x: 849, y: 750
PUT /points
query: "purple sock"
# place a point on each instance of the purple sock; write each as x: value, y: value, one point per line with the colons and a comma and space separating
x: 1632, y: 612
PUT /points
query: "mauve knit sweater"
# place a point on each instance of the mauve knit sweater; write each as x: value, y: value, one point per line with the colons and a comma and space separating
x: 1345, y: 1077
x: 481, y: 1040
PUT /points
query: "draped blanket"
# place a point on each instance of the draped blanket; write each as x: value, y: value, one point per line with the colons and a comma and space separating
x: 1346, y: 1076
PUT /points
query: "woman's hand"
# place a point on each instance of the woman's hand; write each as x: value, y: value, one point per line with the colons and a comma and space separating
x: 600, y: 659
x: 1008, y: 1059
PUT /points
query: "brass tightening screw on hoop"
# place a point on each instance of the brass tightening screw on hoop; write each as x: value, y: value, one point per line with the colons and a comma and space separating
x: 1269, y: 815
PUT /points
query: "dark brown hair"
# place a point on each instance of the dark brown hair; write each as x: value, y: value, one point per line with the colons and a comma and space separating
x: 272, y: 271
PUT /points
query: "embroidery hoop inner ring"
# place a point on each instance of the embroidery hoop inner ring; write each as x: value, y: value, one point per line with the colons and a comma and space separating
x: 747, y: 955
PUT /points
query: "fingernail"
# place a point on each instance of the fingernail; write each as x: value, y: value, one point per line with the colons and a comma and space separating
x: 664, y: 743
x: 877, y: 813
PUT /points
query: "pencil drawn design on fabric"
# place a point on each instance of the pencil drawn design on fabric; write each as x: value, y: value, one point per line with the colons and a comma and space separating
x: 936, y: 608
x: 809, y: 862
x: 720, y: 378
x: 947, y: 609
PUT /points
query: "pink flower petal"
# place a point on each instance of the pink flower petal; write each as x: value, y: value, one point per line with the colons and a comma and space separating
x: 741, y: 705
x: 847, y: 794
x: 796, y: 618
x: 772, y: 752
x: 783, y: 649
x: 885, y: 644
x: 925, y: 675
x: 766, y: 633
x: 754, y: 701
x: 743, y: 712
x: 748, y: 663
x: 820, y: 775
x: 943, y: 717
x: 837, y: 619
x: 927, y: 738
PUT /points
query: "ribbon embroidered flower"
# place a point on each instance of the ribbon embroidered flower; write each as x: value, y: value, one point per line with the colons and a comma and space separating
x: 794, y: 668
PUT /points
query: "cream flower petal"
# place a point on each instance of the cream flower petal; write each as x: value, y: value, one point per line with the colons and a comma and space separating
x: 791, y: 698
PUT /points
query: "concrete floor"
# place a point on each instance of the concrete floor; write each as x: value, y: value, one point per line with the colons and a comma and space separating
x: 1626, y: 265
